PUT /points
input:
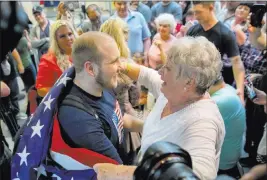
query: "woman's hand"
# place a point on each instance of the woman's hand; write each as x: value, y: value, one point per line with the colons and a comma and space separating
x: 61, y: 9
x: 261, y: 97
x: 106, y: 171
x: 158, y: 43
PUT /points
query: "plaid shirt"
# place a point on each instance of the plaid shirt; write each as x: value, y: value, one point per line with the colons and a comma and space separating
x: 254, y: 60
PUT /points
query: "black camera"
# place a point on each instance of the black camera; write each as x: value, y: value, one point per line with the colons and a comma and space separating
x: 165, y: 161
x: 258, y: 11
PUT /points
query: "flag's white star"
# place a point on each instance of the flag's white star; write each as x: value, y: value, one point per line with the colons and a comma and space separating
x: 37, y: 129
x: 48, y: 103
x: 23, y: 155
x: 40, y: 170
x: 63, y: 80
x: 56, y: 176
x: 30, y: 120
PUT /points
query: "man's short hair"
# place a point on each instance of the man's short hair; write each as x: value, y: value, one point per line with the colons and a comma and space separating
x: 94, y: 7
x: 86, y: 48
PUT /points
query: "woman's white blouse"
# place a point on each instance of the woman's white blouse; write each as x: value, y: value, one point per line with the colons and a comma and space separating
x: 198, y: 128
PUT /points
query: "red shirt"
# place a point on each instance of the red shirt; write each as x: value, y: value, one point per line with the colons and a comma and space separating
x: 48, y: 71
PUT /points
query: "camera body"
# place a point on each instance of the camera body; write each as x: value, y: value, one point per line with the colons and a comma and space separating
x: 165, y: 161
x: 258, y: 11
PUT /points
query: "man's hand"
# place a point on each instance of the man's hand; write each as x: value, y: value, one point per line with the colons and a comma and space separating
x: 261, y: 97
x: 106, y: 171
x: 21, y: 68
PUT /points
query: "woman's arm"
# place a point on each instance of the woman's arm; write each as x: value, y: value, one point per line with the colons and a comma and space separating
x: 144, y: 76
x: 17, y: 58
x: 107, y: 171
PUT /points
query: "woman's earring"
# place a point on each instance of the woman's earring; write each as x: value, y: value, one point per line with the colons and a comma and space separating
x: 185, y: 89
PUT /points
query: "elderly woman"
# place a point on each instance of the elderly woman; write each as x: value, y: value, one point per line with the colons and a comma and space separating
x: 162, y: 41
x: 57, y: 59
x: 184, y: 113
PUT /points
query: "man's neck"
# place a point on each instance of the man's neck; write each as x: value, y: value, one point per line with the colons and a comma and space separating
x: 43, y: 25
x: 216, y: 88
x: 88, y: 86
x: 165, y: 37
x: 210, y: 24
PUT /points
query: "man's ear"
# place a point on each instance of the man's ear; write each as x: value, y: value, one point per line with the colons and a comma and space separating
x: 89, y: 68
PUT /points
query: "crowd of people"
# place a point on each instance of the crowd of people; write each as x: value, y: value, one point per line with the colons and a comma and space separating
x: 89, y: 101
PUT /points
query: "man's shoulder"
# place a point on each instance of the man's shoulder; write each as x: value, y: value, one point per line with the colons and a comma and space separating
x: 192, y: 31
x: 223, y: 29
x: 175, y: 5
x: 227, y: 97
x: 143, y: 7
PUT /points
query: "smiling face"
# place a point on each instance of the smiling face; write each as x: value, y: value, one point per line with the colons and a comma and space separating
x: 65, y: 38
x: 168, y: 75
x: 107, y: 75
x: 164, y: 29
x: 39, y: 17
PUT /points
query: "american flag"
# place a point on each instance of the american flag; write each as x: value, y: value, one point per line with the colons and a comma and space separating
x: 29, y: 161
x: 117, y: 119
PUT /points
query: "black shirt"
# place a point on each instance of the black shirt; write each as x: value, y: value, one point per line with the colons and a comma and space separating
x: 80, y: 129
x: 224, y: 40
x: 221, y: 36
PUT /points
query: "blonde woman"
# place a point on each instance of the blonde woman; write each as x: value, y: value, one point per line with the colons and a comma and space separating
x: 126, y: 92
x: 57, y: 59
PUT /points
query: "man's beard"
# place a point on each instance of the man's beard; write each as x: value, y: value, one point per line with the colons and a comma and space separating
x: 102, y: 82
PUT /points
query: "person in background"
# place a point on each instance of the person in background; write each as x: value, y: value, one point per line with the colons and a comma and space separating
x: 162, y: 41
x: 40, y: 32
x: 139, y: 34
x: 166, y: 7
x: 228, y: 15
x: 184, y: 113
x: 185, y: 5
x: 142, y: 8
x: 188, y: 21
x: 58, y: 57
x: 24, y: 50
x: 234, y: 117
x: 64, y: 13
x: 223, y: 39
x: 256, y: 118
x: 93, y: 13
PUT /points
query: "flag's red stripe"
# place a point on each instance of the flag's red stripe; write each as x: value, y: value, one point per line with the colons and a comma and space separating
x: 84, y: 156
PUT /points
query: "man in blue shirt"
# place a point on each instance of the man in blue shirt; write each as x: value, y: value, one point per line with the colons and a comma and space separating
x: 234, y: 116
x: 167, y: 7
x: 143, y: 9
x: 139, y: 34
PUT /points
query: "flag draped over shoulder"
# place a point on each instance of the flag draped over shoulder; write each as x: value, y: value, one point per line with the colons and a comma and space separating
x: 29, y: 160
